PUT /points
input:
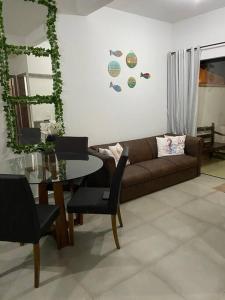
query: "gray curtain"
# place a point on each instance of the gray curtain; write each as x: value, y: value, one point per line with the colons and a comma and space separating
x: 182, y: 98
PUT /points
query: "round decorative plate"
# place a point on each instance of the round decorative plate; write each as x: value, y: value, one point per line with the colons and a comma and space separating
x: 114, y: 68
x: 131, y: 59
x: 131, y: 82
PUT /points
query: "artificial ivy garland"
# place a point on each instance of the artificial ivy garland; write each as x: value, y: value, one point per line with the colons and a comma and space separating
x: 9, y: 101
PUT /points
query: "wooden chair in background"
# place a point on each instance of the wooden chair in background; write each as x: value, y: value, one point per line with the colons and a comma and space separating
x: 210, y: 146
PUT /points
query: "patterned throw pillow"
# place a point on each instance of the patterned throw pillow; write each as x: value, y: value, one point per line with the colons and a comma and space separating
x: 170, y: 145
x: 179, y: 141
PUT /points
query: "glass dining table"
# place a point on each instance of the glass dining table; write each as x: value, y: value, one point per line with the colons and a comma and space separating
x: 43, y: 169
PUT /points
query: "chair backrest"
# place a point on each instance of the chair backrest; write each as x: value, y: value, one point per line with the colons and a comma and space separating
x: 29, y: 136
x: 18, y: 215
x: 71, y: 147
x: 115, y: 186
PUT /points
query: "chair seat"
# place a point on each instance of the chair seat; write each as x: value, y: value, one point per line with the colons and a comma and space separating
x: 89, y: 200
x: 46, y: 215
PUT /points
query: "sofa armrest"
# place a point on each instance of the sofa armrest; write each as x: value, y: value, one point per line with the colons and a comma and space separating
x: 193, y: 147
x: 104, y: 175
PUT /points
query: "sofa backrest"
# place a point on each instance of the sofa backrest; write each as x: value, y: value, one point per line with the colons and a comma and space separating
x: 139, y: 149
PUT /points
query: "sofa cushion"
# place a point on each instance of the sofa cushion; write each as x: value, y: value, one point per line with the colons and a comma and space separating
x: 134, y: 174
x: 158, y: 167
x: 139, y: 150
x: 182, y: 162
x: 163, y: 166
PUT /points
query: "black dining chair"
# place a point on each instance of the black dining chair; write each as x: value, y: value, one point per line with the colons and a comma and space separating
x: 21, y: 220
x: 71, y: 147
x: 29, y: 136
x: 88, y: 200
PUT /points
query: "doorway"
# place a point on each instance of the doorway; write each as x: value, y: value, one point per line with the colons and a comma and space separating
x: 211, y: 112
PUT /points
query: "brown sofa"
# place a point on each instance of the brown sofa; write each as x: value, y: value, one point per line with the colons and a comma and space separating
x: 147, y: 173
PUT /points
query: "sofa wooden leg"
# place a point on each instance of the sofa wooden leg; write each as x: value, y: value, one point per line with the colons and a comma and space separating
x: 71, y: 229
x: 114, y: 229
x: 119, y: 217
x: 36, y: 251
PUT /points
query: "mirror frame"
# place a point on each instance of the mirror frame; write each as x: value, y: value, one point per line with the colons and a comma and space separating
x: 9, y: 101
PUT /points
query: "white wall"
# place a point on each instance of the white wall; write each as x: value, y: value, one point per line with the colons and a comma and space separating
x: 201, y: 30
x: 93, y: 109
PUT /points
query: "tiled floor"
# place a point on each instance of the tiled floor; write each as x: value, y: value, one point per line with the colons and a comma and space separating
x: 173, y: 248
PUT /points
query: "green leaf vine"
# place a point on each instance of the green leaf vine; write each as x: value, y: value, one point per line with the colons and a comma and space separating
x: 11, y: 102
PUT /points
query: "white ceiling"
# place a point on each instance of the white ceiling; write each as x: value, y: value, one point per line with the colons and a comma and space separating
x: 80, y: 7
x: 21, y: 18
x: 167, y: 10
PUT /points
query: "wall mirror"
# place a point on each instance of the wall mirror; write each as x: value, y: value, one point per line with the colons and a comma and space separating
x: 30, y: 71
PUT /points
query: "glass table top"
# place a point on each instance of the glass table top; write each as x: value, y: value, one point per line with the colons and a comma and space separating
x: 40, y: 167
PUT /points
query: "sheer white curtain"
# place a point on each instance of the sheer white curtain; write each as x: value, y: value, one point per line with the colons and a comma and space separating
x: 182, y: 97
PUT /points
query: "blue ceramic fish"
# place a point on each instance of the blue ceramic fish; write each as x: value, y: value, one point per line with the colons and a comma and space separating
x: 116, y: 53
x: 145, y: 75
x: 116, y: 87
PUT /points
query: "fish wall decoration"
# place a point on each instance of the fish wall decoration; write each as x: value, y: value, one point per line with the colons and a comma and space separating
x: 114, y: 68
x: 131, y: 82
x: 116, y: 87
x: 116, y: 53
x: 131, y: 59
x: 145, y: 75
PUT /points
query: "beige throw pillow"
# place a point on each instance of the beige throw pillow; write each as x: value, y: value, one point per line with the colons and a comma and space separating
x: 114, y: 151
x: 105, y: 152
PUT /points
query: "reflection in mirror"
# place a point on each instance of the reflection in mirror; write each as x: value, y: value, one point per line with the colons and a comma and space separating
x: 31, y: 30
x: 30, y: 75
x: 33, y: 122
